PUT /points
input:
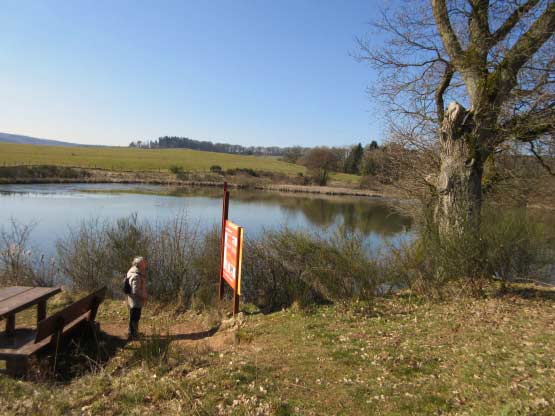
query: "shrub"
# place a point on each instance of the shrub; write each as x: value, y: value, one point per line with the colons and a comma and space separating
x: 171, y: 252
x: 516, y: 245
x: 176, y: 169
x: 288, y: 266
x: 216, y: 169
x: 99, y: 253
x: 508, y: 245
x: 42, y: 172
x: 242, y: 171
x: 19, y: 265
x: 85, y: 258
x: 207, y: 266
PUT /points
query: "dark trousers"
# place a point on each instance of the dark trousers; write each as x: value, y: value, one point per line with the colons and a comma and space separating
x: 134, y: 317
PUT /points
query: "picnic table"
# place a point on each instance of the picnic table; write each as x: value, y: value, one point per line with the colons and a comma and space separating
x: 15, y: 299
x: 17, y: 345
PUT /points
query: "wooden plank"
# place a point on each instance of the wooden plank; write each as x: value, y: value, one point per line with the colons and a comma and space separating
x: 25, y: 299
x: 9, y: 344
x: 57, y: 321
x: 31, y: 347
x: 8, y: 292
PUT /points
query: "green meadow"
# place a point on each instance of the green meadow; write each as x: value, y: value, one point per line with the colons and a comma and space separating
x: 131, y: 159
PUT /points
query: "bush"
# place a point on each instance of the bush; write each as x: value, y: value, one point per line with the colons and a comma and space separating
x: 216, y: 169
x: 100, y: 253
x: 242, y: 171
x: 288, y: 266
x: 279, y: 268
x: 19, y: 265
x: 85, y: 258
x: 42, y: 172
x: 176, y: 169
x: 509, y: 245
x: 516, y: 245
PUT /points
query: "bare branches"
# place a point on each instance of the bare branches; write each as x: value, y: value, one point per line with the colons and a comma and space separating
x: 528, y: 127
x: 450, y: 40
x: 494, y: 57
x: 540, y: 159
x: 511, y: 22
x: 505, y: 77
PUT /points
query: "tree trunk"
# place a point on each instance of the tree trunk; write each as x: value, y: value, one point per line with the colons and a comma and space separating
x: 459, y: 184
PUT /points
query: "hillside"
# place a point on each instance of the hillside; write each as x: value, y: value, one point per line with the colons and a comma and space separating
x: 123, y: 158
x: 19, y: 139
x: 400, y: 356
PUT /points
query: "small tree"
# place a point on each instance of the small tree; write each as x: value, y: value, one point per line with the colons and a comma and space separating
x: 320, y: 161
x: 292, y: 154
x: 354, y: 158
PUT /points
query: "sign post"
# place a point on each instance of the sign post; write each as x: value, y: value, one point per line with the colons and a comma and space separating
x: 225, y: 213
x: 231, y: 254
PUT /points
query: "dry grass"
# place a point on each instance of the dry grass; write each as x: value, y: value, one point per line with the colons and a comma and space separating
x: 402, y: 355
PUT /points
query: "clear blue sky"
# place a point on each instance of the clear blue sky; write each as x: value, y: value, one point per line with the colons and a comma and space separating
x: 250, y: 72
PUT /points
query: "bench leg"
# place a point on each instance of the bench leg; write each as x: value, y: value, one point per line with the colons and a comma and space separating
x: 17, y: 366
x: 10, y: 324
x: 41, y: 311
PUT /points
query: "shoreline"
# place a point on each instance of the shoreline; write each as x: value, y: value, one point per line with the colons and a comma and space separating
x: 287, y: 188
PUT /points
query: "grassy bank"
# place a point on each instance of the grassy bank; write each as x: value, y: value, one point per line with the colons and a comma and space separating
x: 399, y: 356
x: 131, y: 159
x: 52, y: 164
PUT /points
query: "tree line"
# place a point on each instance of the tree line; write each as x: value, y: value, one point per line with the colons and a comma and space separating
x: 175, y: 142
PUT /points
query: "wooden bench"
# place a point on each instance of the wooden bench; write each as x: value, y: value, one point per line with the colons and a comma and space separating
x: 16, y: 348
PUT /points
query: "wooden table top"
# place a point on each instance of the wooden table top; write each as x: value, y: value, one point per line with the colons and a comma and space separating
x: 16, y: 298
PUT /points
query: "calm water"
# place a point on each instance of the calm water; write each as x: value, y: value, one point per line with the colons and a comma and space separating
x: 53, y: 209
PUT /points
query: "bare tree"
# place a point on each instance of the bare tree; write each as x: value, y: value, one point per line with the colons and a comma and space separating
x: 494, y: 61
x: 320, y: 161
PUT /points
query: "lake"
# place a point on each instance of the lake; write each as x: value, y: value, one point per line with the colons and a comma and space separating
x: 52, y: 209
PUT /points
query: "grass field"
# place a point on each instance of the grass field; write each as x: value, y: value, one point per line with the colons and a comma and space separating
x: 400, y: 356
x: 130, y: 159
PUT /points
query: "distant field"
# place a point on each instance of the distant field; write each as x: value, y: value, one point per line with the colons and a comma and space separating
x: 122, y: 158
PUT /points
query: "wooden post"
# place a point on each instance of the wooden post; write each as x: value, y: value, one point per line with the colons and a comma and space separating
x: 237, y: 284
x: 94, y: 309
x: 225, y: 212
x: 10, y: 324
x: 41, y: 310
x: 235, y: 303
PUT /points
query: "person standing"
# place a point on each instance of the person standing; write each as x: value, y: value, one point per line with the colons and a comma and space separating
x: 137, y: 294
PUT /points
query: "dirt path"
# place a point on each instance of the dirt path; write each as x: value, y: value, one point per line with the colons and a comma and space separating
x: 188, y: 334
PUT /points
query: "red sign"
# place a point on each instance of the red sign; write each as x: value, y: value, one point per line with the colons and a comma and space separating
x: 233, y: 253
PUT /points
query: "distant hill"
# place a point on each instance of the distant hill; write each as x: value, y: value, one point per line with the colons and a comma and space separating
x: 16, y: 138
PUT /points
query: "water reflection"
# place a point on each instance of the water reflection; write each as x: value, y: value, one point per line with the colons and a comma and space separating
x: 355, y: 213
x: 365, y: 215
x: 54, y: 208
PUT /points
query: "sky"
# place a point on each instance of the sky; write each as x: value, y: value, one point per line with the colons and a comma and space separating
x: 249, y: 72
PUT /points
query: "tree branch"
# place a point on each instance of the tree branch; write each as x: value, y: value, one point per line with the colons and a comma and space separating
x: 440, y: 91
x: 529, y: 126
x: 505, y: 76
x: 479, y: 26
x: 541, y: 160
x: 448, y: 36
x: 512, y: 20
